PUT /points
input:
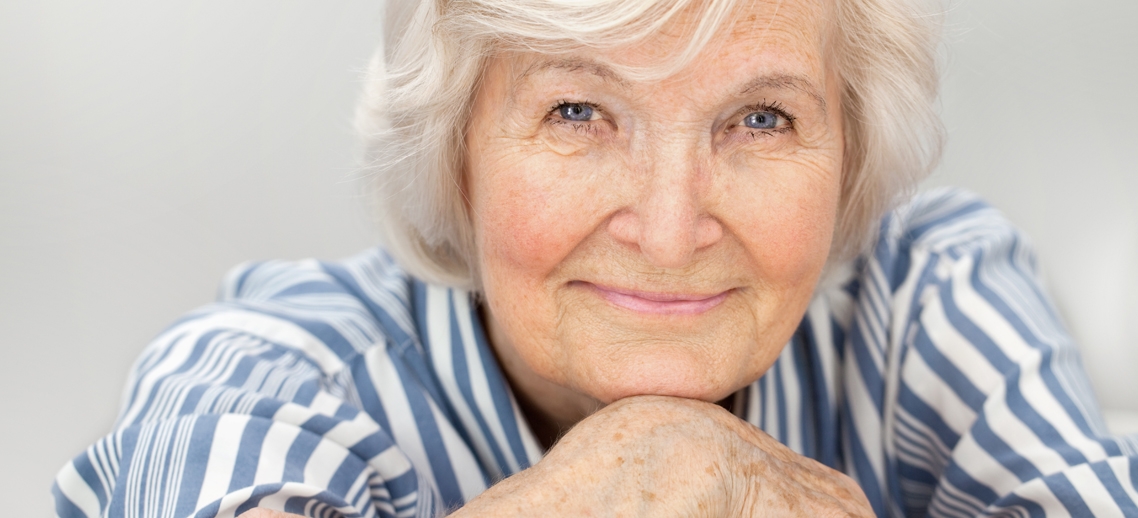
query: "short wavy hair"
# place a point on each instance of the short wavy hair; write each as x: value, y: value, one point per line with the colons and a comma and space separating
x: 420, y: 87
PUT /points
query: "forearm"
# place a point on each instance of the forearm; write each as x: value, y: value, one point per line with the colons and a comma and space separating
x: 657, y: 456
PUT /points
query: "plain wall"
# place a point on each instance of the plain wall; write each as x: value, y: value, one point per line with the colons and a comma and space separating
x: 147, y: 147
x: 1041, y: 104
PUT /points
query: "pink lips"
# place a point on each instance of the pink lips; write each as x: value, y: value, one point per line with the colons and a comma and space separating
x: 660, y: 303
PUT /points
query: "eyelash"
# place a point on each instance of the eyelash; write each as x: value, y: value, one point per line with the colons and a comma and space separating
x: 578, y: 126
x: 774, y: 107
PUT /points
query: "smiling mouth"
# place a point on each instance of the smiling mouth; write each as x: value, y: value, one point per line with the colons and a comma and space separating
x: 659, y: 303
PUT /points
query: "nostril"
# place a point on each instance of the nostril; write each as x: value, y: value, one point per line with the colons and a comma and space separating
x: 708, y: 232
x: 666, y: 238
x: 624, y: 227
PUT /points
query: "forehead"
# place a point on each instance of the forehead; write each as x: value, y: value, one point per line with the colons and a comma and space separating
x: 779, y: 38
x: 774, y: 29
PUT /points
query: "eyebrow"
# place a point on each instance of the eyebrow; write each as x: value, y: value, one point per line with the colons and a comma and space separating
x: 576, y: 65
x: 765, y: 82
x: 785, y: 82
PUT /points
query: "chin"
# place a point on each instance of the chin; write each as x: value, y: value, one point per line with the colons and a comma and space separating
x: 659, y: 375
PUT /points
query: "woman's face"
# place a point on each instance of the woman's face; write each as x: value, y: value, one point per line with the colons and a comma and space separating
x: 655, y: 237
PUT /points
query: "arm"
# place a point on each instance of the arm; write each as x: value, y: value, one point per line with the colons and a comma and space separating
x: 235, y: 407
x: 664, y: 456
x: 245, y: 405
x: 994, y: 414
x: 660, y: 456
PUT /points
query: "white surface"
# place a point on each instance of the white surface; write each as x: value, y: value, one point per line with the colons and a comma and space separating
x: 146, y: 147
x: 1039, y: 100
x: 1121, y: 422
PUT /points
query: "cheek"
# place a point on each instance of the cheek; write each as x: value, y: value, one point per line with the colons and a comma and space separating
x: 785, y: 216
x: 529, y: 219
x: 528, y: 213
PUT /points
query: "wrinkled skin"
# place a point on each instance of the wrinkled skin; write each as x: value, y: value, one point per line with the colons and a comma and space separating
x: 646, y: 249
x: 656, y: 456
x: 664, y: 193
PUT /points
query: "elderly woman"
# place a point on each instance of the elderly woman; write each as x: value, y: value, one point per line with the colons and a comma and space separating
x: 638, y: 262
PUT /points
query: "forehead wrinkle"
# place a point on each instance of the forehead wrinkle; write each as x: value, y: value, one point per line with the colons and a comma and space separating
x: 785, y: 82
x: 575, y: 65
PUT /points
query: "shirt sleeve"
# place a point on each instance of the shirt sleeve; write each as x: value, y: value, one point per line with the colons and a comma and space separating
x: 251, y: 402
x: 994, y: 414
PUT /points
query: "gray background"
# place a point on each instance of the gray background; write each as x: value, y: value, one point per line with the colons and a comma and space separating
x: 147, y: 147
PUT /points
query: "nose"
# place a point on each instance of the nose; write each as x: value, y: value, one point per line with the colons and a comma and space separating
x: 668, y: 221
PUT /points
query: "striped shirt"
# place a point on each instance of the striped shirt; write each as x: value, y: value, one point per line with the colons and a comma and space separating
x: 933, y: 370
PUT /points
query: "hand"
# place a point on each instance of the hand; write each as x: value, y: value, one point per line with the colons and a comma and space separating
x: 662, y: 456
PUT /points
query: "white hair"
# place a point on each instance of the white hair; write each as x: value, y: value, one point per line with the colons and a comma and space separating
x: 420, y: 85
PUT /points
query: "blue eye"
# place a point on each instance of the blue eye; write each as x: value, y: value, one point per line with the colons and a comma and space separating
x: 576, y: 112
x: 761, y: 120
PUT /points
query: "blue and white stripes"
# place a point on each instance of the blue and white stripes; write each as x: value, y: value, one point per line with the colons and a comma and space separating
x: 933, y: 370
